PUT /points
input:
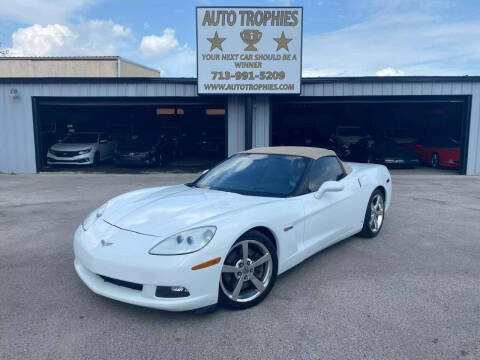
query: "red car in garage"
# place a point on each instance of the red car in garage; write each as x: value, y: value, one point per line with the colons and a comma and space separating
x: 439, y: 151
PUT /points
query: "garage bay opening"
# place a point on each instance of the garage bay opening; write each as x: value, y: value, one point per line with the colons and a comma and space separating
x: 130, y: 135
x: 428, y: 134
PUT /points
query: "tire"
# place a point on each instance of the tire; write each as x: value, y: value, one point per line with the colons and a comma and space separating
x: 371, y: 227
x: 159, y: 162
x: 96, y: 159
x: 435, y: 160
x: 236, y: 288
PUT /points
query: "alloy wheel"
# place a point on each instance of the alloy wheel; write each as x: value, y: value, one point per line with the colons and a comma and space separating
x: 435, y: 160
x: 376, y: 213
x: 247, y: 271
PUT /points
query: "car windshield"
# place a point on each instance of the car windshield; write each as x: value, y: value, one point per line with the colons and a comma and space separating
x: 137, y: 142
x: 256, y: 174
x: 443, y: 141
x: 81, y: 138
x: 386, y: 142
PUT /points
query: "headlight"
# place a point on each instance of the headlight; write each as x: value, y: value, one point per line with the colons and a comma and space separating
x: 86, y: 151
x: 94, y: 216
x: 185, y: 242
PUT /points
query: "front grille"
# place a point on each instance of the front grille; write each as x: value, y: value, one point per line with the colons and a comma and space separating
x: 64, y: 153
x: 126, y: 284
x: 132, y: 156
x: 168, y: 292
x: 67, y: 160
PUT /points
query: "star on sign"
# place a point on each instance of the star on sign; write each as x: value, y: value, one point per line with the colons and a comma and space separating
x: 216, y: 42
x: 282, y: 42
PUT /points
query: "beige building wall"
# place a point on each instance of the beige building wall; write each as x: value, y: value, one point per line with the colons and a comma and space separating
x: 58, y: 68
x: 128, y: 69
x: 72, y: 67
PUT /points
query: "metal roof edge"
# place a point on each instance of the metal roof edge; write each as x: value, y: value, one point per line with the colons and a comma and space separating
x: 193, y: 81
x: 310, y: 80
x: 122, y: 59
x: 46, y: 58
x: 97, y: 80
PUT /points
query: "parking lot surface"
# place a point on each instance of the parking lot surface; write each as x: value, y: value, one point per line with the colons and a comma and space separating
x: 413, y: 292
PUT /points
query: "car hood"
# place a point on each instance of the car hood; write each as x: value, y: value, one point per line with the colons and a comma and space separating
x: 168, y: 210
x: 71, y: 146
x: 399, y: 151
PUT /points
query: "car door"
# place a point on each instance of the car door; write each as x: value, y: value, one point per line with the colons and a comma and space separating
x: 335, y: 215
x: 111, y: 145
x: 106, y: 146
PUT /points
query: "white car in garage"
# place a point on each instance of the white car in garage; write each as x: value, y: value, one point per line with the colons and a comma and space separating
x: 225, y: 237
x: 82, y: 148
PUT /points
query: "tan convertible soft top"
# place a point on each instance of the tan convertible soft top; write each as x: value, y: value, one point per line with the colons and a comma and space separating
x: 305, y: 151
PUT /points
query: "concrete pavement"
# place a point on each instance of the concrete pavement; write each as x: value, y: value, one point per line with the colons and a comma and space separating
x: 411, y: 293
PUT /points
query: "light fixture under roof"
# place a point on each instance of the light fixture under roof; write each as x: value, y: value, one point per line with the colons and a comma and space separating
x: 13, y: 93
x: 165, y: 111
x: 215, y: 111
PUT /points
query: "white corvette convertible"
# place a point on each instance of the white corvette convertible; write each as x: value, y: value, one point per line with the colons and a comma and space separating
x: 225, y: 237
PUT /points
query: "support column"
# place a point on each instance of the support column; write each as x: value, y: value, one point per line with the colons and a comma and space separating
x: 248, y: 121
x: 235, y: 124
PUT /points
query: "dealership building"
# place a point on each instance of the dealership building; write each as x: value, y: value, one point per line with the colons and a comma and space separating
x: 38, y: 111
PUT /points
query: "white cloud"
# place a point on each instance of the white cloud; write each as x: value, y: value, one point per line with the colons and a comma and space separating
x: 388, y: 71
x: 41, y: 12
x: 37, y: 40
x: 158, y: 46
x: 316, y: 72
x: 417, y: 43
x: 94, y: 37
x: 100, y: 37
x: 167, y: 54
x: 181, y: 62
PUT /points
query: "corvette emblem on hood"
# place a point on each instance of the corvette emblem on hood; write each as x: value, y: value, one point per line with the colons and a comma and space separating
x: 105, y: 243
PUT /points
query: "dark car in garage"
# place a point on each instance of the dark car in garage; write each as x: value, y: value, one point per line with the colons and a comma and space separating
x: 211, y: 142
x: 381, y: 150
x: 143, y: 150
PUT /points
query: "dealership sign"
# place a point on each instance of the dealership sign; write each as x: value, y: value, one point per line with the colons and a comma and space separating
x: 249, y: 50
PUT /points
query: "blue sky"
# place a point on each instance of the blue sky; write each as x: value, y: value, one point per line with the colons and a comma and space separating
x: 341, y: 38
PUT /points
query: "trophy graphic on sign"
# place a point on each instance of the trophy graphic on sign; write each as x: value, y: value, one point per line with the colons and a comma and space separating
x: 250, y: 37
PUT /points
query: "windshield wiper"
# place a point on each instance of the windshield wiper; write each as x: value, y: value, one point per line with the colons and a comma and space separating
x: 193, y: 185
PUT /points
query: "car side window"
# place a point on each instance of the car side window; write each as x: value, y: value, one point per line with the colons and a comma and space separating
x: 324, y: 169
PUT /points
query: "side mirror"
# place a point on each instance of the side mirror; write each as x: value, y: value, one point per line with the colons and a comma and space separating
x: 328, y: 186
x: 103, y: 141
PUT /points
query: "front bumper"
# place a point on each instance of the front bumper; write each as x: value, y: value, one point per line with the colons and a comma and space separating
x: 85, y: 159
x: 401, y: 162
x: 134, y: 159
x: 449, y: 162
x: 127, y: 259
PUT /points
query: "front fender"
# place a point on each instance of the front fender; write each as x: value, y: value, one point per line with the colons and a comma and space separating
x: 277, y: 217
